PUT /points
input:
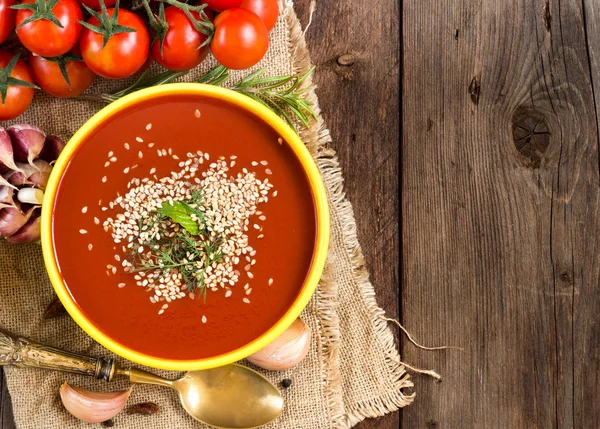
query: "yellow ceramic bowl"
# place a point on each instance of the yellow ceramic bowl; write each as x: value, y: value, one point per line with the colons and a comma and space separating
x: 322, y: 215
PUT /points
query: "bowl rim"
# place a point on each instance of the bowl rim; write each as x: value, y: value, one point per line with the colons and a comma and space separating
x: 285, y: 132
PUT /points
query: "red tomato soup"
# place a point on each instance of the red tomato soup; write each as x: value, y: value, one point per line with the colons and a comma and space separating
x: 127, y: 146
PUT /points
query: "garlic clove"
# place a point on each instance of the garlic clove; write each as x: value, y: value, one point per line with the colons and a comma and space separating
x: 286, y: 351
x: 28, y: 233
x: 92, y: 407
x: 53, y: 146
x: 27, y: 142
x: 7, y: 159
x: 5, y: 182
x: 41, y: 175
x: 12, y: 219
x: 7, y: 196
x: 31, y: 196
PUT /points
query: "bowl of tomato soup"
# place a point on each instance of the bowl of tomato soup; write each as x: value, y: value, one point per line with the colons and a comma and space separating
x: 185, y: 227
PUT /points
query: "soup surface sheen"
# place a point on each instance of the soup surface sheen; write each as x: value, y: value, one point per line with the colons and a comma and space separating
x: 126, y: 314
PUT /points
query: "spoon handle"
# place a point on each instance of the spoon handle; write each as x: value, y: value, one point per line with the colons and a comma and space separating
x: 23, y: 352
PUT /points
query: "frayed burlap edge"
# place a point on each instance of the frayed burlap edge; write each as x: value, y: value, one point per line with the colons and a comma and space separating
x: 317, y: 139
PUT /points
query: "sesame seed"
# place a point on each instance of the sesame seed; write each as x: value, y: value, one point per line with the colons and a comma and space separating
x: 150, y: 144
x: 161, y: 311
x: 140, y: 154
x: 250, y: 275
x: 203, y: 319
x: 90, y: 246
x: 104, y: 179
x: 246, y: 300
x: 121, y: 285
x: 197, y: 113
x: 268, y: 171
x: 149, y: 127
x: 280, y: 140
x: 82, y: 231
x: 106, y: 164
x: 113, y: 159
x: 264, y: 162
x: 139, y: 140
x: 126, y: 170
x: 126, y: 145
x: 254, y: 163
x: 228, y: 294
x: 270, y: 282
x: 152, y: 170
x: 114, y: 270
x: 84, y: 209
x: 274, y: 193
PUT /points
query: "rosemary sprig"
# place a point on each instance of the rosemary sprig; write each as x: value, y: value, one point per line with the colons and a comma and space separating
x: 285, y: 95
x: 188, y: 251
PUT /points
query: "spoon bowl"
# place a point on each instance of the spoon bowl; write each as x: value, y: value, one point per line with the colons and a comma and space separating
x: 231, y: 397
x: 227, y: 397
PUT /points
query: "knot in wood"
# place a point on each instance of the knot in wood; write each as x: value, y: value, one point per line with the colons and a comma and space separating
x: 346, y: 60
x: 531, y: 135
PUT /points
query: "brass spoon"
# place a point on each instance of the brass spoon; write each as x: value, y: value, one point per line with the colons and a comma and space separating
x: 228, y: 397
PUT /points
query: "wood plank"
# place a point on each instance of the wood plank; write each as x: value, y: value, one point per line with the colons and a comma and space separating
x: 356, y: 49
x: 6, y: 415
x: 499, y: 208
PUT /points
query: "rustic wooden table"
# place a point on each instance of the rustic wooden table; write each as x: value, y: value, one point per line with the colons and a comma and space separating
x: 357, y: 52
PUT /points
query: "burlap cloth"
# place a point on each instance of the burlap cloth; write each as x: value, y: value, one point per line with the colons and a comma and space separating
x: 352, y: 370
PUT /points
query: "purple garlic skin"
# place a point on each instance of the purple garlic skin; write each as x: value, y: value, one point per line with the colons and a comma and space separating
x: 27, y: 142
x: 7, y: 160
x: 53, y: 146
x: 28, y: 233
x: 12, y: 219
x: 7, y: 197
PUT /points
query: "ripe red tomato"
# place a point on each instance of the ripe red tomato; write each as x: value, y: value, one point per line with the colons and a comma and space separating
x: 48, y: 76
x: 44, y: 37
x: 95, y: 4
x: 180, y: 47
x: 240, y: 40
x: 18, y: 96
x: 7, y: 19
x: 267, y: 10
x: 220, y: 5
x: 124, y: 54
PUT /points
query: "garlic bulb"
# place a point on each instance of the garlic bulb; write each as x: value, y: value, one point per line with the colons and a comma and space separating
x: 286, y: 351
x: 92, y: 407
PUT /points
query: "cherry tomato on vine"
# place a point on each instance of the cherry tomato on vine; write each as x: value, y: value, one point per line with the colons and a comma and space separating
x: 39, y: 25
x: 49, y: 74
x: 95, y: 4
x: 181, y: 42
x: 16, y: 86
x: 7, y: 19
x: 115, y: 43
x: 240, y: 39
x: 220, y: 5
x: 267, y: 10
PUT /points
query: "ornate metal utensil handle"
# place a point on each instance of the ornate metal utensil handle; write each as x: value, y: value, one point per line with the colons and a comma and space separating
x: 20, y: 351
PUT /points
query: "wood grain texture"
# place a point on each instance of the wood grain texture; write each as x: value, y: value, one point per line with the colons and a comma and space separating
x: 357, y: 53
x: 500, y: 211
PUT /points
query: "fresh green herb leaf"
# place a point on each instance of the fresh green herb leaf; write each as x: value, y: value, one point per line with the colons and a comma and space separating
x: 183, y: 214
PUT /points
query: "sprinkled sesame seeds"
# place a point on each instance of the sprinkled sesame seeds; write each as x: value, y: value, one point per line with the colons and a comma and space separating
x: 149, y: 127
x: 96, y: 221
x: 84, y: 209
x: 152, y: 170
x: 264, y: 162
x: 268, y: 171
x: 82, y: 231
x: 126, y: 145
x: 121, y: 285
x: 228, y: 294
x: 250, y: 275
x: 139, y: 140
x: 246, y: 300
x: 126, y: 170
x: 150, y: 145
x: 104, y: 179
x: 280, y: 140
x: 274, y: 193
x: 111, y: 153
x: 140, y: 154
x: 106, y: 164
x: 197, y: 113
x: 204, y: 319
x: 270, y: 282
x: 90, y: 246
x: 254, y: 163
x: 113, y: 159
